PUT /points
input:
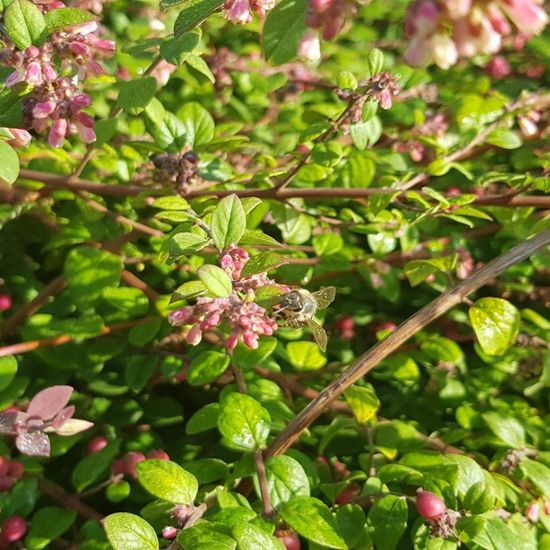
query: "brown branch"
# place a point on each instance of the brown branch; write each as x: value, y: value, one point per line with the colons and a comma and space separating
x: 60, y: 182
x: 31, y: 345
x: 133, y: 280
x: 51, y: 289
x: 419, y: 320
x: 120, y: 218
x: 67, y: 500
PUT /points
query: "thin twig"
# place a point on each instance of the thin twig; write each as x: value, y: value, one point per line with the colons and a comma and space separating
x: 419, y: 320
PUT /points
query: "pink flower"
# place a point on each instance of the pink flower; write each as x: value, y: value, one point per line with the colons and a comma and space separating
x: 532, y: 512
x: 237, y: 11
x: 58, y: 131
x: 444, y: 51
x: 163, y: 71
x: 498, y: 68
x: 526, y: 15
x: 20, y: 138
x: 310, y: 47
x: 5, y: 302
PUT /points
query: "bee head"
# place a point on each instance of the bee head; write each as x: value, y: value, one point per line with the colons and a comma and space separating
x: 292, y: 301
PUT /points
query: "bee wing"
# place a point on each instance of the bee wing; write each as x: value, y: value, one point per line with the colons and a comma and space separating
x: 319, y: 334
x: 324, y: 297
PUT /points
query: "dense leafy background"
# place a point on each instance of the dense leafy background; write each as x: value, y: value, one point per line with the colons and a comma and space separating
x: 90, y: 264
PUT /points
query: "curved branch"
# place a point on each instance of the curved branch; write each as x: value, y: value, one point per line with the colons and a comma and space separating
x: 406, y: 330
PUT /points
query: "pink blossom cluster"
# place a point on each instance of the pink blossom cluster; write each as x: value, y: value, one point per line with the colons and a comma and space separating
x: 441, y: 31
x: 246, y: 319
x: 382, y: 88
x: 240, y: 11
x: 328, y: 16
x: 433, y: 126
x: 56, y: 70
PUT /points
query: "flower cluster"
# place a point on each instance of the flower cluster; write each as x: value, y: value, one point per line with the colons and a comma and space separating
x: 178, y: 168
x: 239, y: 11
x: 441, y: 31
x: 433, y: 126
x: 56, y: 70
x: 246, y: 319
x: 328, y: 16
x: 47, y: 412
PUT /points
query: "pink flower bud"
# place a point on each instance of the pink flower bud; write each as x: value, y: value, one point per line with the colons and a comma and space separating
x: 5, y: 302
x: 532, y: 512
x: 32, y: 52
x: 33, y: 74
x: 231, y: 342
x: 444, y: 51
x: 14, y: 528
x: 158, y: 454
x: 6, y: 483
x: 97, y: 443
x: 429, y: 505
x: 528, y: 17
x: 4, y: 465
x: 82, y: 101
x: 498, y: 68
x: 21, y: 138
x: 250, y: 339
x: 57, y: 133
x: 194, y: 336
x: 180, y: 316
x: 310, y: 47
x: 320, y: 6
x: 43, y: 109
x: 78, y: 48
x: 237, y: 11
x: 289, y: 539
x: 169, y: 532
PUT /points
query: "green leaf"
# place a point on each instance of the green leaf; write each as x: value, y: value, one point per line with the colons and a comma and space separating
x: 138, y: 371
x: 327, y: 244
x: 367, y: 133
x: 167, y: 480
x: 256, y: 236
x: 48, y: 524
x: 262, y: 263
x: 506, y: 428
x: 312, y: 519
x: 505, y: 139
x: 130, y: 532
x: 363, y: 402
x: 11, y: 110
x: 351, y: 523
x: 283, y: 30
x: 194, y: 13
x: 182, y: 244
x: 201, y: 66
x: 135, y: 95
x: 206, y: 367
x: 206, y: 536
x: 286, y: 479
x: 89, y: 271
x: 93, y: 466
x: 24, y: 23
x: 496, y: 324
x: 171, y: 203
x: 177, y: 50
x: 417, y: 270
x: 8, y: 370
x: 305, y: 356
x: 198, y: 124
x: 204, y: 419
x: 243, y: 422
x: 251, y: 537
x: 375, y: 61
x: 216, y: 280
x: 190, y: 289
x: 64, y: 18
x: 538, y: 474
x: 247, y: 358
x: 228, y: 222
x: 387, y: 520
x: 9, y: 164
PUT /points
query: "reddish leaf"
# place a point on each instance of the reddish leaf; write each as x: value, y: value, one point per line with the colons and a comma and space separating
x: 50, y: 401
x: 33, y: 444
x: 63, y: 416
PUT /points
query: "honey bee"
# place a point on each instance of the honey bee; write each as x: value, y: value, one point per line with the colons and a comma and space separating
x: 299, y: 307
